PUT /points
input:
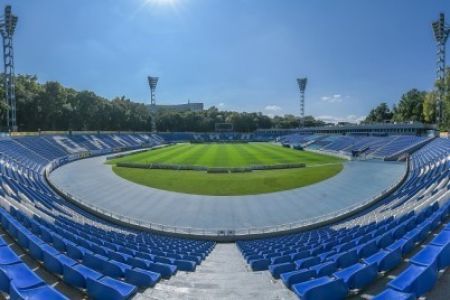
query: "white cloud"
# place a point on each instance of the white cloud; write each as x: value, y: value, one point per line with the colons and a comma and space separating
x: 221, y: 105
x: 272, y: 108
x: 335, y: 98
x: 336, y: 119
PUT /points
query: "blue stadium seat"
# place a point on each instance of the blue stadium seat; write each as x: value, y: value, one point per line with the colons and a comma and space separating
x: 77, y: 275
x: 55, y: 262
x: 358, y: 276
x: 390, y: 294
x: 7, y: 256
x: 345, y: 259
x: 385, y: 260
x: 293, y: 277
x: 277, y: 269
x: 433, y: 255
x: 20, y: 275
x: 142, y: 278
x: 307, y: 262
x: 164, y: 269
x: 323, y: 269
x: 401, y: 246
x: 109, y: 288
x: 260, y: 264
x: 321, y: 288
x: 114, y: 269
x: 42, y: 292
x: 415, y: 279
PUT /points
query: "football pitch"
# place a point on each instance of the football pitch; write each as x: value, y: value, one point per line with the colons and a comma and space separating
x: 318, y: 167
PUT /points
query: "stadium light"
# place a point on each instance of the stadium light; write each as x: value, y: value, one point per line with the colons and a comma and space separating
x: 7, y: 28
x: 441, y: 32
x: 152, y: 82
x: 302, y: 86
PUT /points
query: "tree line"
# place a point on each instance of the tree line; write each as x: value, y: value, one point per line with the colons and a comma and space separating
x: 414, y: 105
x: 50, y: 106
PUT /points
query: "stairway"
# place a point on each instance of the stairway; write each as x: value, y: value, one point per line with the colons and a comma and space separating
x: 223, y: 275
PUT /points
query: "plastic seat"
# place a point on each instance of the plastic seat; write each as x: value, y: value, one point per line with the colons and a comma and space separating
x: 185, y: 265
x: 432, y: 255
x: 164, y: 260
x: 401, y: 246
x: 197, y: 259
x: 165, y: 270
x: 260, y: 264
x: 442, y: 239
x: 7, y: 256
x: 43, y: 292
x: 277, y: 269
x: 280, y: 259
x: 358, y: 275
x: 321, y: 288
x: 114, y: 269
x: 385, y: 260
x: 385, y: 240
x: 22, y: 235
x: 120, y: 257
x: 345, y: 259
x: 293, y: 277
x: 307, y: 262
x: 55, y: 263
x: 75, y: 251
x: 77, y: 275
x: 324, y: 269
x: 34, y: 244
x: 415, y: 279
x: 22, y: 276
x: 300, y: 255
x: 59, y: 243
x: 94, y: 261
x: 109, y: 288
x: 390, y: 294
x: 366, y: 249
x: 142, y: 278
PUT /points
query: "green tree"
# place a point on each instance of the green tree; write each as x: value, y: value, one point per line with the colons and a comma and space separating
x: 410, y: 107
x: 381, y: 113
x: 429, y: 107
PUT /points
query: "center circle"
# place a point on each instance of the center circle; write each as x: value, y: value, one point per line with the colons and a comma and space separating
x: 226, y: 169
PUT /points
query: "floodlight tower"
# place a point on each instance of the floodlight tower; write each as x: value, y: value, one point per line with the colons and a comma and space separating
x: 302, y: 86
x: 7, y: 27
x: 441, y: 32
x: 152, y: 82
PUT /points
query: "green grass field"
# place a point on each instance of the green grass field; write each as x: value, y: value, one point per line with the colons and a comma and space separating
x: 318, y: 167
x: 227, y: 155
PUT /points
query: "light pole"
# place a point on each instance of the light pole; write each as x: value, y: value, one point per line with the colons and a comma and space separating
x: 7, y: 28
x: 441, y: 32
x: 302, y: 86
x: 152, y: 82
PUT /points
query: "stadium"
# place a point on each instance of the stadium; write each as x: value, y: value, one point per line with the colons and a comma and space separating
x: 348, y: 211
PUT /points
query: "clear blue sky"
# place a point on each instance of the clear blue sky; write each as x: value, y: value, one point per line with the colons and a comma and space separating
x: 236, y: 54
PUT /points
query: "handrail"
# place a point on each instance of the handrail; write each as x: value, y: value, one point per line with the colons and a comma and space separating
x: 221, y: 233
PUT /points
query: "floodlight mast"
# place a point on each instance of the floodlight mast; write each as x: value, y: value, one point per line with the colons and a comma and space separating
x: 302, y: 86
x: 152, y: 82
x: 441, y: 32
x: 7, y: 27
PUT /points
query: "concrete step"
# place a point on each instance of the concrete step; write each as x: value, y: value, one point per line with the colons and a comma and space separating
x: 223, y: 275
